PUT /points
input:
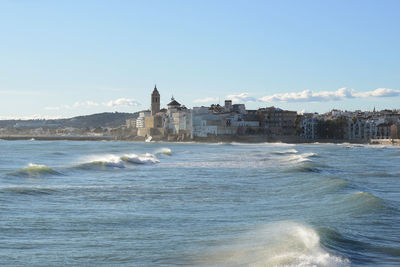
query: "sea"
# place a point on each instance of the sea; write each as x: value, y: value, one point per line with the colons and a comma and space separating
x: 93, y: 203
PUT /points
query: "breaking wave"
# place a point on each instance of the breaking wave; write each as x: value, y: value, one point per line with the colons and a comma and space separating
x: 102, y: 161
x: 113, y: 161
x: 278, y: 244
x: 144, y: 159
x: 35, y: 170
x: 305, y: 157
x: 164, y: 151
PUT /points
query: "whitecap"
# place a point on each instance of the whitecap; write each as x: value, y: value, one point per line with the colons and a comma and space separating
x: 164, y: 151
x: 278, y: 244
x: 140, y: 159
x: 104, y: 160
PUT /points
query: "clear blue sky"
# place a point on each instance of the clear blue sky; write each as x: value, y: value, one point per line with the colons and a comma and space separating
x: 67, y: 58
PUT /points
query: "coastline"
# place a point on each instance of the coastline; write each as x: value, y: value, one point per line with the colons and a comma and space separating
x: 212, y: 139
x: 56, y: 138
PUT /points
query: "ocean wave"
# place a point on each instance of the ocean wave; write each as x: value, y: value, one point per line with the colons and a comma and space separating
x: 64, y: 188
x: 277, y: 244
x: 28, y: 190
x: 35, y: 170
x: 306, y: 166
x: 114, y: 161
x: 163, y: 151
x: 143, y: 159
x: 361, y: 202
x: 103, y: 161
x: 285, y: 152
x: 277, y: 144
x: 380, y: 174
x: 305, y: 157
x: 336, y: 184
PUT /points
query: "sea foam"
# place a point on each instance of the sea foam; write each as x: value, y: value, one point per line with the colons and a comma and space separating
x: 142, y: 159
x: 277, y: 244
x: 115, y: 161
x: 102, y: 161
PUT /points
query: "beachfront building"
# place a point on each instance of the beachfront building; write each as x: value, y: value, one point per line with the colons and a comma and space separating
x: 309, y: 128
x: 277, y: 121
x: 361, y: 129
x: 225, y: 120
x: 140, y: 121
x: 179, y: 121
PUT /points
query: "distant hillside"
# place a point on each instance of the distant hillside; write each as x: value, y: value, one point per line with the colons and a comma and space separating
x: 106, y: 119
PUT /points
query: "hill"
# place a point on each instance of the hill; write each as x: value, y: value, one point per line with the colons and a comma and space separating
x: 106, y: 119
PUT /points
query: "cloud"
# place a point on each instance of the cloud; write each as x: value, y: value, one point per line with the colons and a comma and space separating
x: 122, y: 102
x: 85, y: 104
x: 243, y: 97
x: 322, y: 96
x: 206, y: 100
x: 380, y: 92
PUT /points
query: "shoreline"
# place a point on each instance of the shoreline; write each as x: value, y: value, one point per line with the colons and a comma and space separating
x: 56, y: 138
x: 212, y: 139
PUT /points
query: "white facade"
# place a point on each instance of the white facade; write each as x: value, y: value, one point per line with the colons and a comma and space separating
x: 204, y: 123
x: 140, y: 121
x: 179, y: 120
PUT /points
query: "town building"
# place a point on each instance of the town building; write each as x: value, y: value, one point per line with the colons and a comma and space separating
x: 278, y: 121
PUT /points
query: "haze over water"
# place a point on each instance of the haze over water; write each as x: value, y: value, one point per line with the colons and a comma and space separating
x: 188, y: 204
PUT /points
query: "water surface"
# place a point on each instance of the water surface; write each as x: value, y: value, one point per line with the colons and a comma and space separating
x: 168, y: 204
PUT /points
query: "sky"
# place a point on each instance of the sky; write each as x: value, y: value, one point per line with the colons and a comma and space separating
x: 69, y: 58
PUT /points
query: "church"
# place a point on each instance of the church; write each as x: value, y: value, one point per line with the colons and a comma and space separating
x: 173, y: 123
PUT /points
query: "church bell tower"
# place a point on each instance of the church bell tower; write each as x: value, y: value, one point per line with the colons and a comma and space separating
x: 155, y: 101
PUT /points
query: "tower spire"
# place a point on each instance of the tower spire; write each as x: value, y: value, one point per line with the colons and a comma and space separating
x: 155, y: 101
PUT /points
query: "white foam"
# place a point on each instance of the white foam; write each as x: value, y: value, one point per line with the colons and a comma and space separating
x: 289, y: 151
x: 107, y: 160
x: 164, y: 150
x: 278, y: 244
x: 142, y: 159
x: 33, y: 165
x: 300, y: 158
x: 278, y: 144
